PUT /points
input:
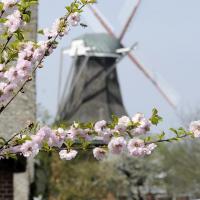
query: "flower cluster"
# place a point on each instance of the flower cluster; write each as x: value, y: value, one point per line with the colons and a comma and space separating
x: 13, y: 21
x: 105, y: 138
x: 61, y: 27
x: 195, y: 128
x: 9, y: 4
x: 137, y: 147
x: 114, y: 136
x: 16, y: 75
x: 30, y: 55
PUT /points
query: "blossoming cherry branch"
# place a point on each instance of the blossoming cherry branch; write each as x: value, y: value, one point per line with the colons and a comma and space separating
x: 131, y: 136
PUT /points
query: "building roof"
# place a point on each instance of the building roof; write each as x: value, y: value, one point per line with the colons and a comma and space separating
x: 96, y: 44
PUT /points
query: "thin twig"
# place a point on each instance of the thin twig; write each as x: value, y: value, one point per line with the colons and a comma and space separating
x: 2, y: 12
x: 7, y: 142
x: 167, y: 140
x: 8, y: 40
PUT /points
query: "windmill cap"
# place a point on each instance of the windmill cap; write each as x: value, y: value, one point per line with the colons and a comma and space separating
x: 99, y: 45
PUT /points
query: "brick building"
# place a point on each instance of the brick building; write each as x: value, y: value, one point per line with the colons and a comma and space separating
x: 16, y: 176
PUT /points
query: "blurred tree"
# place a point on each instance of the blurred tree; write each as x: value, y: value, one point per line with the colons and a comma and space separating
x: 181, y: 165
x: 140, y: 174
x: 84, y: 179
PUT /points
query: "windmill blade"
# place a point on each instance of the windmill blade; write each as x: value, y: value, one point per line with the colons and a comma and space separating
x: 130, y: 18
x: 152, y: 80
x: 102, y: 20
x: 135, y: 61
x: 167, y: 87
x: 125, y: 10
x: 93, y: 23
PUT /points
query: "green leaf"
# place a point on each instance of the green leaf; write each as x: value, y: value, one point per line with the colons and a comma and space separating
x: 161, y: 136
x: 83, y: 1
x: 12, y: 56
x: 76, y: 5
x: 4, y: 35
x: 13, y: 156
x: 1, y: 6
x: 41, y: 31
x: 174, y: 131
x: 69, y: 143
x: 147, y: 139
x: 155, y: 118
x: 26, y: 17
x: 85, y: 145
x: 3, y: 20
x: 33, y: 2
x: 19, y: 35
x: 68, y: 8
x: 115, y: 119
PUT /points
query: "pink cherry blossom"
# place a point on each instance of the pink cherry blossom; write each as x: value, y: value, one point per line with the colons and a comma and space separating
x: 135, y: 143
x: 195, y: 128
x: 54, y: 30
x: 106, y: 134
x: 151, y: 146
x: 9, y: 88
x: 42, y: 135
x: 13, y: 21
x: 2, y: 66
x: 117, y: 145
x: 99, y: 153
x: 72, y: 133
x: 85, y: 134
x: 29, y: 149
x: 8, y: 3
x: 74, y: 19
x: 58, y: 28
x: 56, y: 138
x: 12, y: 75
x: 15, y: 149
x: 100, y: 125
x: 124, y: 121
x: 138, y: 117
x: 144, y: 124
x: 67, y: 155
x: 137, y: 147
x: 137, y: 152
x: 38, y: 54
x: 120, y: 128
x: 138, y: 131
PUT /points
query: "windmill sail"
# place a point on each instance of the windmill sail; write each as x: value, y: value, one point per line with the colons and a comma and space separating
x: 132, y: 58
x: 93, y: 93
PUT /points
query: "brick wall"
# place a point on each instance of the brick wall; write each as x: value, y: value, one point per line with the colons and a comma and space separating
x: 6, y: 185
x: 22, y: 109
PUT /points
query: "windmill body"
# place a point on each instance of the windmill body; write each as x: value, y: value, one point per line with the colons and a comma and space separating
x: 93, y: 92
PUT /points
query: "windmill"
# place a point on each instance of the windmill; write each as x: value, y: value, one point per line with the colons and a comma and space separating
x: 95, y: 57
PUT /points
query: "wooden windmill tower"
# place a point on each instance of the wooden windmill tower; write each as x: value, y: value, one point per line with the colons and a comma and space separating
x: 92, y: 90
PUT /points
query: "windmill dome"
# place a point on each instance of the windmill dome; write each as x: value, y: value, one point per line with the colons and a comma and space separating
x: 96, y: 44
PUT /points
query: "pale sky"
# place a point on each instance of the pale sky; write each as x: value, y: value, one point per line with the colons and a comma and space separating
x: 168, y: 36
